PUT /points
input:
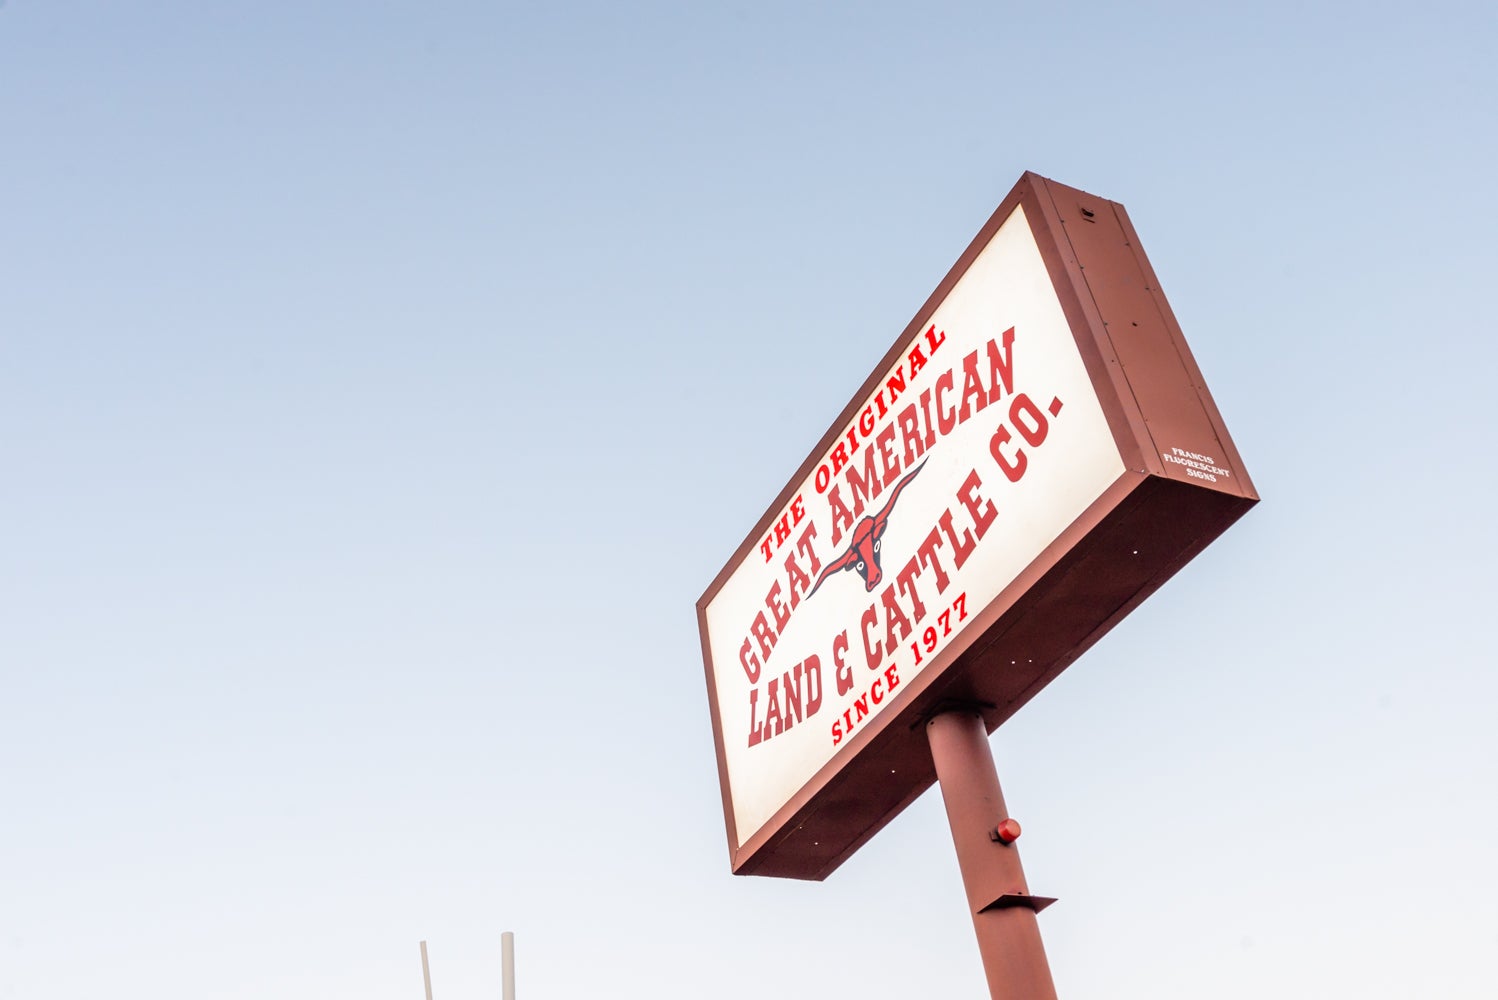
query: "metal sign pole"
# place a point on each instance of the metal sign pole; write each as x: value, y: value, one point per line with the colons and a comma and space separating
x: 426, y: 971
x: 998, y: 896
x: 507, y: 956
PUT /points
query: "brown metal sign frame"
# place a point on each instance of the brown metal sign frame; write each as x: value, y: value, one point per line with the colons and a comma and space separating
x: 1158, y: 514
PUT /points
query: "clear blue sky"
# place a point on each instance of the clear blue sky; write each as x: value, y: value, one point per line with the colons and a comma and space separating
x: 382, y: 383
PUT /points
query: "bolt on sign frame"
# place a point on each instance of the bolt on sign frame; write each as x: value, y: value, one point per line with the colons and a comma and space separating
x: 1033, y: 457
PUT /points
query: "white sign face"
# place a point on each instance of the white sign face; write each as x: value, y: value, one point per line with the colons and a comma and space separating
x: 981, y: 445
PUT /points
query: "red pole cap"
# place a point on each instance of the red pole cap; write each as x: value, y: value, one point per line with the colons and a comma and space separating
x: 1007, y: 832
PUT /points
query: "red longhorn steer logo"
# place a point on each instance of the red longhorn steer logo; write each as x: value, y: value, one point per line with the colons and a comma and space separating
x: 863, y: 547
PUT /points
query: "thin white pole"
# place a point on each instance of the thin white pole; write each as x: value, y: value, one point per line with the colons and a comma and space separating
x: 507, y: 948
x: 426, y: 970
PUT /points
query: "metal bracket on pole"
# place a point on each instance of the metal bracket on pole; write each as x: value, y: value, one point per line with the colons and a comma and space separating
x: 946, y: 705
x: 1013, y: 899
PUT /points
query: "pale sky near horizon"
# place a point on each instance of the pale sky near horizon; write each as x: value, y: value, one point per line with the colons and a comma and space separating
x: 382, y: 384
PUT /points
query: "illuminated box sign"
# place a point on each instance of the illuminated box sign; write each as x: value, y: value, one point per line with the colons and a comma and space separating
x: 1031, y: 459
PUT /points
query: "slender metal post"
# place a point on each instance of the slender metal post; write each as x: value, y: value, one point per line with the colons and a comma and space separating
x: 507, y: 948
x: 998, y: 896
x: 426, y: 970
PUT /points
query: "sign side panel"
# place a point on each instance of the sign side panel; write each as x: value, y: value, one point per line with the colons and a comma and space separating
x: 1183, y: 431
x: 1230, y: 450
